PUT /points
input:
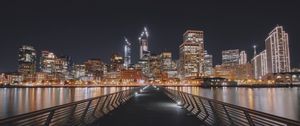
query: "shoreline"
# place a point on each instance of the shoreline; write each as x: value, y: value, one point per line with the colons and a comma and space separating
x: 174, y: 85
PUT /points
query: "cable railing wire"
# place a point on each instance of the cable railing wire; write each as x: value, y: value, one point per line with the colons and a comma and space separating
x: 213, y: 112
x: 83, y: 112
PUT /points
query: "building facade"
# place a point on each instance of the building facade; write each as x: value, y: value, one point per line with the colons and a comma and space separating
x: 230, y: 57
x: 243, y: 57
x: 191, y: 54
x: 208, y: 64
x: 127, y: 53
x: 47, y: 62
x: 277, y: 50
x: 94, y: 68
x: 143, y: 41
x: 27, y: 60
x: 259, y: 63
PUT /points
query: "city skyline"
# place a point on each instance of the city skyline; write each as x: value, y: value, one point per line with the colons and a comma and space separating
x: 239, y: 30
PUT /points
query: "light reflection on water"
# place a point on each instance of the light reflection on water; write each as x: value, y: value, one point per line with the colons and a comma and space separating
x: 15, y: 101
x: 284, y: 102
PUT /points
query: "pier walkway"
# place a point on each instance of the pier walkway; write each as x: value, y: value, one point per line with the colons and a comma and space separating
x: 150, y: 107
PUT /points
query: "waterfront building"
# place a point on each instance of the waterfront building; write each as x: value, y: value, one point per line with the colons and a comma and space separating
x: 208, y: 64
x: 243, y: 57
x: 191, y: 54
x: 277, y: 51
x: 230, y: 57
x: 259, y: 63
x: 131, y: 76
x: 27, y: 60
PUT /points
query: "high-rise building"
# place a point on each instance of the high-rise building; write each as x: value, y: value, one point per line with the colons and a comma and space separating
x: 127, y: 53
x: 208, y: 64
x: 166, y: 61
x: 79, y: 71
x: 230, y: 57
x: 243, y: 57
x: 277, y: 49
x: 47, y: 62
x: 154, y: 67
x: 116, y: 63
x: 191, y: 54
x: 143, y: 39
x: 62, y: 66
x: 259, y: 63
x: 27, y: 60
x: 95, y: 67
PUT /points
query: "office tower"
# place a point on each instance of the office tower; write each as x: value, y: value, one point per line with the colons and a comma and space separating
x: 166, y: 61
x: 62, y: 67
x: 208, y: 64
x: 47, y: 62
x: 277, y: 49
x: 116, y: 63
x: 143, y: 41
x: 243, y: 57
x: 191, y: 54
x: 154, y: 67
x: 127, y: 53
x: 259, y: 63
x: 26, y: 60
x: 79, y: 71
x: 230, y: 57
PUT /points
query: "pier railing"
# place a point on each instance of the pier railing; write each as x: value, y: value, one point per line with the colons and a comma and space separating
x: 213, y: 112
x: 82, y: 112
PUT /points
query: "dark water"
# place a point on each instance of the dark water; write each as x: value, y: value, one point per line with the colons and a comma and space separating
x: 284, y: 102
x: 15, y: 101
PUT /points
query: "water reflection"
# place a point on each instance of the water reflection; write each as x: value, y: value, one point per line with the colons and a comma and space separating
x: 22, y: 100
x: 284, y: 102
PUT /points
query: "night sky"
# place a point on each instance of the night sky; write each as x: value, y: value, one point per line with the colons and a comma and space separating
x: 86, y: 29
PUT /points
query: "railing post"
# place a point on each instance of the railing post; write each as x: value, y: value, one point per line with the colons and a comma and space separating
x: 49, y: 118
x: 99, y: 99
x: 206, y: 113
x: 197, y: 105
x: 85, y: 111
x: 104, y: 102
x: 249, y: 118
x: 215, y: 113
x: 229, y: 118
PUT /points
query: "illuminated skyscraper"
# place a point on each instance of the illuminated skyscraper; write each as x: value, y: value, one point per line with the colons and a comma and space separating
x: 277, y: 49
x: 259, y: 63
x: 243, y: 57
x: 62, y: 67
x: 47, y: 62
x: 208, y: 64
x: 27, y: 60
x: 117, y: 62
x: 143, y: 39
x: 191, y: 54
x: 230, y: 57
x: 127, y: 53
x: 166, y: 61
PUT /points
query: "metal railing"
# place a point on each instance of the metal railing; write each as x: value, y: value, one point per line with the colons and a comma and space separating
x: 82, y: 112
x: 213, y: 112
